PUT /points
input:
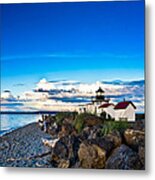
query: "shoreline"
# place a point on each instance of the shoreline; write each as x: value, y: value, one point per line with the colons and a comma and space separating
x: 7, y: 132
x: 71, y: 145
x: 23, y: 147
x: 23, y: 112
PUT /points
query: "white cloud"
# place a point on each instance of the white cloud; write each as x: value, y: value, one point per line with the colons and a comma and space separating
x: 7, y: 95
x: 35, y: 100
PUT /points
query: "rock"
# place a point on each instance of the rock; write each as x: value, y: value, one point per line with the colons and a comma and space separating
x: 4, y: 145
x: 50, y: 143
x: 66, y: 130
x: 23, y: 148
x: 91, y: 132
x: 95, y: 132
x: 66, y: 149
x: 65, y: 117
x: 46, y: 123
x: 40, y: 124
x: 115, y: 137
x: 60, y: 151
x: 84, y: 134
x: 76, y: 165
x: 53, y: 130
x: 134, y: 138
x: 141, y: 153
x: 92, y: 120
x: 63, y: 163
x: 139, y: 124
x: 91, y: 156
x: 124, y: 157
x: 104, y: 143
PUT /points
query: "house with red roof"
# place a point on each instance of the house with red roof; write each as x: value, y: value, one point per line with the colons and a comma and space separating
x: 107, y: 109
x: 125, y: 111
x: 122, y: 111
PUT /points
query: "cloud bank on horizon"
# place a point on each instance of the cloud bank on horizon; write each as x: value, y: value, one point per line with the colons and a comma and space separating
x: 47, y: 94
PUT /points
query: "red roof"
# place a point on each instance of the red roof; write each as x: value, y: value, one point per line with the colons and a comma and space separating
x: 124, y: 105
x: 106, y: 105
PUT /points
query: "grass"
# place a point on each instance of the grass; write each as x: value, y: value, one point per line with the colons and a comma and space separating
x: 62, y: 115
x: 79, y: 121
x: 110, y: 126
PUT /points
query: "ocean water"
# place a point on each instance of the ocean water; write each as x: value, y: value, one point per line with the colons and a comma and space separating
x: 9, y: 122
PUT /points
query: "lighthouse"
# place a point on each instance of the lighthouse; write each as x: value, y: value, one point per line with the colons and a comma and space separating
x: 100, y: 97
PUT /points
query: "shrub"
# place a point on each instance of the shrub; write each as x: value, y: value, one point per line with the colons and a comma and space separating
x: 86, y: 119
x: 79, y: 121
x: 62, y: 115
x: 110, y: 126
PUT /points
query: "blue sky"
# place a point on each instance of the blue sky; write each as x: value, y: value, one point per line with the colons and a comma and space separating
x: 81, y: 41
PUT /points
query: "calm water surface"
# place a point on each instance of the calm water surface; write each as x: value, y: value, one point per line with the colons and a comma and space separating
x: 9, y: 122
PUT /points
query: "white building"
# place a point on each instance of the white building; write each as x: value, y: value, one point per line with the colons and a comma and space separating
x: 125, y: 111
x: 93, y: 107
x: 108, y: 109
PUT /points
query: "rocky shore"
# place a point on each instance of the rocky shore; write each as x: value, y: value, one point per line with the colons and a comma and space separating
x: 24, y: 148
x: 71, y: 140
x: 87, y: 141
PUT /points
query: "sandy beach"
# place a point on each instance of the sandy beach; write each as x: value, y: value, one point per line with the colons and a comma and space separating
x: 24, y: 148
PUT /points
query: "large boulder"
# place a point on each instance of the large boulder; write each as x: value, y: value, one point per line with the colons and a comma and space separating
x: 66, y: 130
x: 134, y: 138
x: 91, y: 132
x: 85, y: 133
x: 124, y: 157
x: 60, y: 150
x: 65, y: 151
x: 104, y: 143
x: 115, y: 137
x: 91, y: 156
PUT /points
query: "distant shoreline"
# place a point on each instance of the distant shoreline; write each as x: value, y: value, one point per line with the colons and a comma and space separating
x: 38, y: 112
x: 23, y: 112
